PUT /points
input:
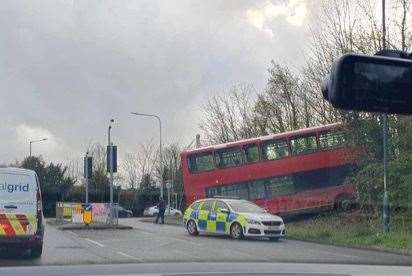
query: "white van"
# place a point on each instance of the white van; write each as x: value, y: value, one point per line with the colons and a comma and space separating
x: 21, y: 212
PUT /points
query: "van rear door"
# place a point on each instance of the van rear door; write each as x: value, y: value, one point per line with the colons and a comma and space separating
x: 18, y: 205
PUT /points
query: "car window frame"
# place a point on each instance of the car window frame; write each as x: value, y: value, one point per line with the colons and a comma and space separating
x: 215, y: 204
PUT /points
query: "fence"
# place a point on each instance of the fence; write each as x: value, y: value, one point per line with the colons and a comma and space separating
x: 73, y: 212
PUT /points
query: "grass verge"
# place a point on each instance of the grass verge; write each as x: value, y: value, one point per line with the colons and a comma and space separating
x: 355, y: 230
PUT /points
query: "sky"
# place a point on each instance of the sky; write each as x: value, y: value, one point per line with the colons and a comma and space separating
x: 68, y: 66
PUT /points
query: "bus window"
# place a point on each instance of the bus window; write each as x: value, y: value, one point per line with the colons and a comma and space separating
x: 211, y: 192
x: 242, y: 191
x: 329, y: 140
x: 238, y: 190
x: 251, y: 153
x: 322, y: 178
x: 275, y: 149
x: 279, y: 186
x: 201, y: 162
x: 302, y: 145
x: 229, y: 157
x: 257, y: 190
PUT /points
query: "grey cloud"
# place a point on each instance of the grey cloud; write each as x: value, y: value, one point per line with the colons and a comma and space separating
x: 69, y: 66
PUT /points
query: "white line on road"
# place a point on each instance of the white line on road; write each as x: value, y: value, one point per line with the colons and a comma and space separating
x: 71, y: 232
x: 130, y: 257
x: 94, y: 242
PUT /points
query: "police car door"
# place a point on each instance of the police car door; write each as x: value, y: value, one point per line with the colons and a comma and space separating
x: 221, y: 209
x: 204, y: 223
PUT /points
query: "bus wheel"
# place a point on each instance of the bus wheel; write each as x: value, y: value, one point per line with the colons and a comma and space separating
x: 191, y: 228
x: 344, y: 203
x: 236, y: 231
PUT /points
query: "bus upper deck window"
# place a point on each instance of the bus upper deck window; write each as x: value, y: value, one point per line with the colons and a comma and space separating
x: 201, y: 162
x: 275, y: 149
x: 229, y: 157
x: 251, y: 153
x: 302, y: 145
x: 331, y: 140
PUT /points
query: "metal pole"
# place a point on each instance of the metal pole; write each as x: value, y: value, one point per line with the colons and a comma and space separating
x: 87, y: 190
x: 111, y: 174
x: 87, y: 178
x: 160, y: 156
x: 35, y: 141
x: 160, y: 147
x: 168, y: 199
x: 386, y: 214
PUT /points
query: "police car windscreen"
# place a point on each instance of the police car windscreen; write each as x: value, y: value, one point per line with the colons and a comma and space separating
x: 18, y: 192
x: 245, y: 207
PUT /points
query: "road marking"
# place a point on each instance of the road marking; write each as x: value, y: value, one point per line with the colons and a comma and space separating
x: 94, y: 242
x: 71, y: 232
x: 130, y: 257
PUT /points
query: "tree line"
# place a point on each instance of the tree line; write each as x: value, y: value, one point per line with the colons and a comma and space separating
x: 136, y: 185
x: 292, y: 99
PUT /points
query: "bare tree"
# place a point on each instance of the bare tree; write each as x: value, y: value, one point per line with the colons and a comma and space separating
x: 74, y: 170
x: 293, y: 101
x: 402, y: 37
x: 230, y: 117
x: 130, y: 166
x: 139, y: 165
x: 283, y: 105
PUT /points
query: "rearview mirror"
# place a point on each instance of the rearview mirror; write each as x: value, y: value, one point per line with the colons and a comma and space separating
x: 224, y: 210
x: 370, y: 83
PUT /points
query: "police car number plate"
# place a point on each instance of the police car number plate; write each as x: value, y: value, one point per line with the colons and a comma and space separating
x: 273, y: 228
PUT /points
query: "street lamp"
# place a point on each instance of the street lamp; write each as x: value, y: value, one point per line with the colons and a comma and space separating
x: 160, y: 146
x: 35, y: 141
x: 109, y: 143
x: 386, y: 213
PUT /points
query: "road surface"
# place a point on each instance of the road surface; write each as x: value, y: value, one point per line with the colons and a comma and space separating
x: 148, y: 242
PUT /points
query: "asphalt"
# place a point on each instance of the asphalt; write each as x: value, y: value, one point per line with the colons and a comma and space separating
x: 152, y: 243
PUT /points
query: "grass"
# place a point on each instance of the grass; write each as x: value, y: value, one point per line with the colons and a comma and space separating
x: 355, y: 230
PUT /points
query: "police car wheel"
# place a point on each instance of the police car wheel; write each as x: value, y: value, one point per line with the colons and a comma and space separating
x: 236, y: 231
x: 191, y: 228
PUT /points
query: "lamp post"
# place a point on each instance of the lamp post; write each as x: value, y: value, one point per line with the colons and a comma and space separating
x: 109, y: 143
x: 160, y: 146
x: 386, y: 212
x: 35, y: 141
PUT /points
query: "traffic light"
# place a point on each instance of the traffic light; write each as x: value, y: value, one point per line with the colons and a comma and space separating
x: 88, y: 167
x: 114, y: 158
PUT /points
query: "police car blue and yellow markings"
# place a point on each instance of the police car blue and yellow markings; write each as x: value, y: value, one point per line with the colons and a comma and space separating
x: 213, y: 221
x: 194, y: 214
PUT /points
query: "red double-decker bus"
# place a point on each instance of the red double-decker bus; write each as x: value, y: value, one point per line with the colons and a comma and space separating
x: 292, y: 172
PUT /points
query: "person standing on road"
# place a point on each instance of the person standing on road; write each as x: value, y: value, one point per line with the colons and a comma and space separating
x: 161, y: 206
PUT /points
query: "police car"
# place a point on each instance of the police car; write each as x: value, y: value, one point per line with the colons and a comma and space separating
x: 21, y: 214
x: 234, y: 217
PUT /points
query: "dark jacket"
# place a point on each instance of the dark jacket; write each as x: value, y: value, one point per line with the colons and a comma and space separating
x: 161, y: 205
